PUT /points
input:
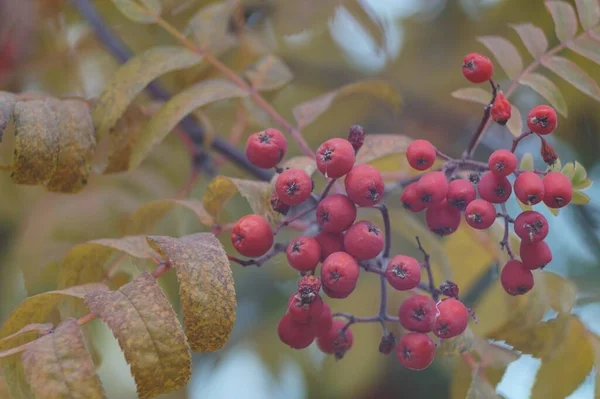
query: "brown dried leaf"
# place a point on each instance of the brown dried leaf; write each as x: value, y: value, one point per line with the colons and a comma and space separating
x: 547, y: 89
x: 140, y: 11
x: 7, y: 106
x: 269, y: 73
x: 533, y: 38
x: 506, y: 54
x: 474, y: 94
x: 515, y: 123
x: 58, y: 365
x: 25, y: 334
x: 210, y: 26
x: 146, y: 216
x: 573, y: 74
x: 565, y: 20
x: 379, y: 145
x: 589, y: 13
x: 146, y: 326
x: 206, y: 287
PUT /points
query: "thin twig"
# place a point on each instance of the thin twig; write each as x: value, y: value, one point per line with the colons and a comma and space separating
x: 505, y: 243
x: 516, y: 140
x: 432, y: 288
x: 274, y: 251
x: 483, y: 124
x: 387, y: 230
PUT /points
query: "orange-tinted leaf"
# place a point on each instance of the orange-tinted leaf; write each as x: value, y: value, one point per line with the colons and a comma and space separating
x: 269, y: 73
x: 589, y: 12
x: 573, y: 74
x: 533, y: 38
x: 547, y: 89
x: 474, y: 94
x: 506, y: 54
x: 565, y: 20
x: 7, y: 106
x: 141, y: 11
x: 587, y: 47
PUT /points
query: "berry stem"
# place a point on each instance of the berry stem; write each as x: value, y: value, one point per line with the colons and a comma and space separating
x: 388, y: 231
x: 286, y: 222
x: 274, y: 251
x: 432, y: 290
x: 484, y: 121
x: 516, y: 140
x: 505, y: 243
x: 382, y: 298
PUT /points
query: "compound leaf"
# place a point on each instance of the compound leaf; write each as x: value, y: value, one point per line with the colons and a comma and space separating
x: 269, y: 73
x: 506, y: 54
x: 565, y: 20
x: 547, y: 89
x: 533, y: 38
x: 573, y: 74
x: 589, y: 13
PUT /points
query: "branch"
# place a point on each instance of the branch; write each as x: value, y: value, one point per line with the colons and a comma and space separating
x: 516, y: 140
x: 505, y: 243
x: 483, y: 124
x: 274, y: 251
x: 388, y: 231
x: 432, y: 288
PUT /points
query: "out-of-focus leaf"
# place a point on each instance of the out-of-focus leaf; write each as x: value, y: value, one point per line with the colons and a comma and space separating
x: 178, y: 107
x: 556, y: 167
x: 492, y: 355
x: 7, y: 106
x: 269, y: 73
x: 533, y: 38
x: 524, y: 207
x: 307, y: 112
x: 141, y: 11
x: 25, y: 334
x: 580, y: 198
x: 587, y: 183
x: 132, y: 78
x: 515, y: 123
x: 146, y: 326
x: 305, y: 163
x: 573, y: 74
x: 219, y: 190
x: 527, y: 161
x: 479, y: 388
x: 379, y: 145
x: 206, y: 287
x: 210, y: 26
x: 587, y: 47
x: 589, y: 13
x: 146, y: 216
x: 58, y: 365
x: 565, y: 20
x: 4, y: 392
x: 291, y: 17
x: 506, y: 54
x: 547, y: 89
x: 474, y: 94
x: 568, y: 170
x: 579, y: 174
x: 595, y: 342
x: 456, y: 345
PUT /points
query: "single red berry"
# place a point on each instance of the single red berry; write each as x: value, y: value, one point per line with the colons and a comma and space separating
x: 493, y: 188
x: 252, y: 236
x: 293, y: 186
x: 403, y: 272
x: 449, y: 288
x: 336, y: 213
x: 460, y: 193
x: 432, y: 188
x: 337, y: 340
x: 501, y: 110
x: 325, y: 320
x: 417, y: 313
x: 335, y: 158
x: 542, y: 119
x: 529, y: 188
x: 415, y: 351
x: 266, y: 149
x: 443, y: 219
x: 330, y: 243
x: 364, y: 185
x: 420, y: 154
x: 516, y: 278
x: 477, y: 68
x: 452, y: 318
x: 387, y: 343
x: 303, y: 253
x: 304, y: 312
x: 531, y: 226
x: 480, y: 214
x: 502, y: 162
x: 356, y: 137
x: 295, y: 335
x: 309, y: 287
x: 410, y: 198
x: 363, y: 240
x: 339, y: 272
x: 535, y: 255
x: 277, y: 205
x: 337, y: 294
x: 558, y: 190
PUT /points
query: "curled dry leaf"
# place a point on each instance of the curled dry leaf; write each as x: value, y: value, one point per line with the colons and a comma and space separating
x: 147, y: 215
x: 141, y: 11
x: 269, y: 73
x: 58, y: 365
x: 146, y: 326
x: 7, y: 106
x: 206, y: 287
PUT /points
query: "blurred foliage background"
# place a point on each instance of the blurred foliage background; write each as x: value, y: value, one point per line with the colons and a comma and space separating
x: 417, y: 46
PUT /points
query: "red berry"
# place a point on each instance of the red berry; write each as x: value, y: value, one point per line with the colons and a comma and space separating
x: 363, y: 240
x: 493, y: 188
x: 356, y: 137
x: 410, y: 198
x: 542, y: 119
x: 293, y: 186
x: 339, y: 272
x: 304, y: 312
x: 432, y: 188
x: 529, y: 188
x: 309, y: 287
x: 443, y: 219
x: 325, y: 320
x: 330, y: 243
x: 502, y: 163
x: 452, y: 318
x: 460, y: 193
x: 403, y: 272
x: 296, y: 335
x: 558, y: 190
x: 335, y: 158
x: 477, y: 68
x: 535, y: 255
x: 364, y: 185
x: 266, y: 149
x: 277, y: 205
x: 303, y: 253
x: 420, y: 154
x: 480, y: 214
x: 336, y: 340
x: 415, y: 351
x: 516, y: 278
x: 501, y: 110
x: 417, y: 313
x: 336, y: 213
x: 337, y: 294
x: 252, y: 236
x: 531, y: 226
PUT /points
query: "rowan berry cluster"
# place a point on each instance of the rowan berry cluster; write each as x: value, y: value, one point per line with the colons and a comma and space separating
x: 459, y: 189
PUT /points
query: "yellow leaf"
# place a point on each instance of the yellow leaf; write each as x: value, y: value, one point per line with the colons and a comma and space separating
x: 25, y: 334
x: 149, y: 333
x: 515, y: 123
x: 595, y: 341
x: 527, y: 161
x: 479, y: 388
x: 580, y: 198
x: 205, y: 287
x: 210, y: 26
x: 579, y: 174
x: 465, y: 383
x: 379, y: 145
x: 219, y: 190
x: 269, y: 73
x: 568, y: 170
x: 58, y: 365
x: 7, y: 106
x: 456, y: 345
x: 141, y: 11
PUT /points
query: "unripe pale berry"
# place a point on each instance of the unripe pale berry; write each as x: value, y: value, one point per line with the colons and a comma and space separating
x: 502, y: 162
x: 443, y: 218
x: 363, y: 240
x: 501, y: 110
x: 420, y: 154
x: 302, y: 311
x: 460, y: 193
x: 330, y: 243
x: 252, y: 236
x: 364, y: 185
x: 480, y: 214
x: 542, y: 119
x: 493, y: 188
x: 295, y: 335
x: 410, y: 198
x: 477, y: 68
x: 266, y: 149
x: 339, y: 272
x: 336, y: 213
x: 415, y: 351
x: 417, y: 313
x: 293, y: 186
x: 325, y: 320
x: 558, y: 190
x: 432, y: 188
x: 516, y: 278
x: 529, y: 188
x: 535, y: 255
x: 531, y: 226
x: 335, y: 158
x: 403, y: 272
x: 337, y: 340
x: 452, y: 318
x: 303, y: 253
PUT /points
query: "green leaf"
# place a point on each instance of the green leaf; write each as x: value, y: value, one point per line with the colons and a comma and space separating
x: 583, y: 185
x: 568, y: 170
x: 524, y: 207
x: 556, y: 167
x: 580, y: 174
x: 141, y: 11
x: 589, y: 13
x: 533, y: 38
x: 178, y: 107
x: 565, y: 20
x: 587, y: 47
x: 527, y: 161
x: 580, y: 198
x: 270, y: 73
x: 547, y: 89
x: 474, y: 94
x: 553, y: 211
x: 573, y: 74
x: 515, y: 123
x: 506, y: 54
x: 7, y: 106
